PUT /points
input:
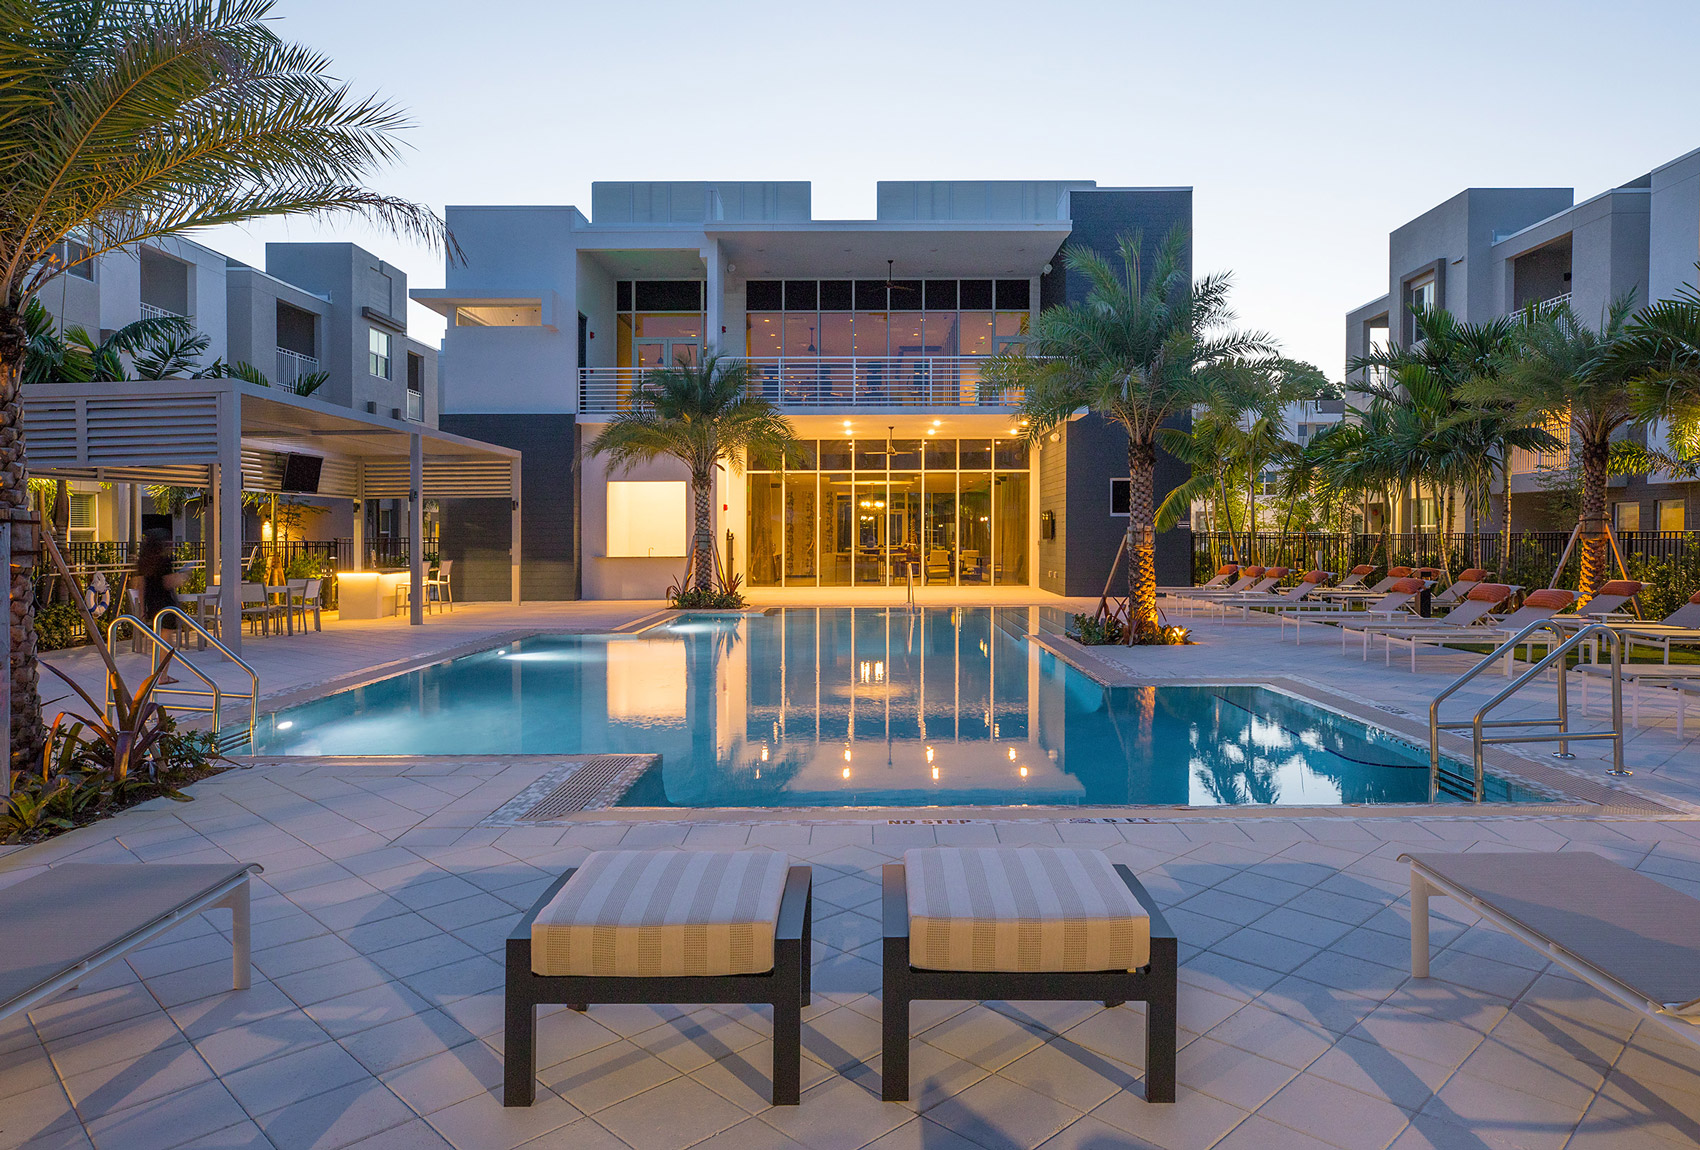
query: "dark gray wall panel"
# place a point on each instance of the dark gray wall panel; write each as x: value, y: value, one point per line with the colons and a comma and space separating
x: 476, y: 531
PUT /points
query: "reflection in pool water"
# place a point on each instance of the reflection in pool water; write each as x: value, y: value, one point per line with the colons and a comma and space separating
x: 866, y: 707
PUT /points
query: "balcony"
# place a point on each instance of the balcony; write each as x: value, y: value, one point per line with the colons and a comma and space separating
x: 153, y: 311
x: 292, y: 365
x: 416, y: 406
x: 817, y: 382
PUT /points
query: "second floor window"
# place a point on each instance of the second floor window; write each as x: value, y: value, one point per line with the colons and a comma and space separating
x: 378, y: 353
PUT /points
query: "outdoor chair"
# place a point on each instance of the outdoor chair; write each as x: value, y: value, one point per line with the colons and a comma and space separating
x: 1396, y: 603
x: 1252, y: 580
x: 1459, y: 587
x: 437, y: 587
x: 1479, y: 602
x: 1539, y: 604
x: 1605, y: 607
x: 664, y: 927
x: 257, y: 608
x: 1308, y: 582
x: 1354, y: 579
x: 1223, y: 575
x: 1024, y: 923
x: 1682, y: 679
x: 61, y: 925
x: 1680, y: 626
x: 1629, y: 936
x: 1394, y: 574
x: 305, y: 594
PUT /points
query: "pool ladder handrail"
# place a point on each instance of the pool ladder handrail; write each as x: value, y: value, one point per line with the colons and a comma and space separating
x: 1479, y: 722
x: 214, y: 692
x: 909, y: 578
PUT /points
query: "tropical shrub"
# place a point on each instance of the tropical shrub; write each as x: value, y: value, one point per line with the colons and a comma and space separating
x: 1094, y: 632
x: 59, y: 625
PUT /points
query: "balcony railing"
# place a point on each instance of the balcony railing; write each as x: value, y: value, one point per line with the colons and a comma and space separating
x: 848, y: 381
x: 292, y: 365
x: 416, y: 406
x: 151, y: 311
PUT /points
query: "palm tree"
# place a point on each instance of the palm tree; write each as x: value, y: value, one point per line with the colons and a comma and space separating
x: 1661, y: 350
x: 124, y: 122
x: 1142, y: 347
x: 1567, y: 371
x: 703, y: 415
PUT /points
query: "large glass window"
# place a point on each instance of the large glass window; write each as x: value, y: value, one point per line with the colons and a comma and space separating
x: 957, y: 510
x: 1673, y: 515
x: 911, y: 318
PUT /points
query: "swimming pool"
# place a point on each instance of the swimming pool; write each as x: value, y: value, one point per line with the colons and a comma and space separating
x: 841, y: 707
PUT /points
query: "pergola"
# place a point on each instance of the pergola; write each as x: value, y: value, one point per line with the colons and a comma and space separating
x: 202, y: 432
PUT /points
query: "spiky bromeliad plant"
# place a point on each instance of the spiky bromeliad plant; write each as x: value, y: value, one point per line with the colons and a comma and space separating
x: 1141, y: 348
x: 127, y: 120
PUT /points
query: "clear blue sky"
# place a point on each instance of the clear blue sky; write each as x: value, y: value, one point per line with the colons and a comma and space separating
x: 1307, y: 130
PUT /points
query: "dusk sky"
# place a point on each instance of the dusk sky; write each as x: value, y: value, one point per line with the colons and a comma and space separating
x: 1307, y: 130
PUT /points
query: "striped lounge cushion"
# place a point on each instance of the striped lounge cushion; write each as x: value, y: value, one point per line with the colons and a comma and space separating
x: 657, y: 914
x: 1021, y: 909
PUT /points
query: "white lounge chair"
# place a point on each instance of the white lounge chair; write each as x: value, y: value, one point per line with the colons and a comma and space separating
x: 58, y: 927
x: 1224, y: 574
x: 1481, y: 599
x: 1394, y: 574
x: 1308, y: 582
x: 1459, y: 587
x: 1394, y: 604
x: 1540, y: 604
x: 1632, y: 938
x: 1683, y: 679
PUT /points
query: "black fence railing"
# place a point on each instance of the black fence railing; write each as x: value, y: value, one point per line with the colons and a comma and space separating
x: 1520, y: 552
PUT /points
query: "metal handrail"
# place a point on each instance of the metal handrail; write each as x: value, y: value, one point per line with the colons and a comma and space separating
x: 216, y: 693
x: 1479, y: 722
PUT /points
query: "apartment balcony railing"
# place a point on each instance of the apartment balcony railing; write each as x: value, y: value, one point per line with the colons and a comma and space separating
x: 292, y: 365
x: 1528, y: 462
x: 1554, y: 303
x: 151, y: 311
x: 416, y: 406
x: 848, y: 381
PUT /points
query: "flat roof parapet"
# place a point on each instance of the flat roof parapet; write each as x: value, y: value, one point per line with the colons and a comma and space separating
x: 700, y: 202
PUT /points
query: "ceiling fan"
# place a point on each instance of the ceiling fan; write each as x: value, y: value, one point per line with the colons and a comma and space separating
x: 892, y: 285
x: 890, y: 429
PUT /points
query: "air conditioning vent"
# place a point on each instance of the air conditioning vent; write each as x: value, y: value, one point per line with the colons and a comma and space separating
x: 371, y: 407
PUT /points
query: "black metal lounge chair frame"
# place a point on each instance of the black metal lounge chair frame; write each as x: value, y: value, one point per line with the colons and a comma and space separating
x: 785, y: 988
x: 1156, y: 985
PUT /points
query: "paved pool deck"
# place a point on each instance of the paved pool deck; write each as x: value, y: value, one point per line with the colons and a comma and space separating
x: 375, y: 1015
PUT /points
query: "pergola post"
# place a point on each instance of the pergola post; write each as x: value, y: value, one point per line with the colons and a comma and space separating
x: 358, y: 559
x: 416, y: 512
x: 514, y: 547
x: 229, y: 525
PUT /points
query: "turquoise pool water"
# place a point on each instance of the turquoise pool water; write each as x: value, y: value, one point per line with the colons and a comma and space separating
x: 866, y: 707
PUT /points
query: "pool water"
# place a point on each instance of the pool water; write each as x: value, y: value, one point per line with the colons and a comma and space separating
x: 842, y: 707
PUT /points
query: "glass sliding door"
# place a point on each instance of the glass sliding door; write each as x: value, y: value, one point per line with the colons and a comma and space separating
x: 1009, y: 539
x: 838, y: 528
x: 766, y: 528
x: 903, y: 524
x: 802, y: 525
x: 938, y: 563
x: 974, y: 528
x: 870, y: 557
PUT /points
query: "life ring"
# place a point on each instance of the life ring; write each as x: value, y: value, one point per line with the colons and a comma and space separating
x: 97, y: 595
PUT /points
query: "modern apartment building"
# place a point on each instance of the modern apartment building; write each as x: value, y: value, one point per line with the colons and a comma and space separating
x: 1489, y: 252
x: 869, y: 334
x: 316, y: 307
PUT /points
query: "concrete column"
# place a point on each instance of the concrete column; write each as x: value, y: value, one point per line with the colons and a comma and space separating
x: 416, y: 526
x: 714, y: 304
x: 229, y: 527
x: 359, y: 527
x: 514, y: 548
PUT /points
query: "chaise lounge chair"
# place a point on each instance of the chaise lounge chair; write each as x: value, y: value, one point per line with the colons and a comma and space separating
x: 60, y: 926
x: 1682, y: 679
x: 1354, y: 579
x: 1298, y: 592
x: 1478, y: 602
x: 1019, y: 923
x: 1680, y: 626
x: 1344, y: 593
x: 1223, y: 575
x: 1396, y: 603
x: 1459, y: 587
x: 1628, y: 936
x: 1537, y: 605
x: 664, y: 926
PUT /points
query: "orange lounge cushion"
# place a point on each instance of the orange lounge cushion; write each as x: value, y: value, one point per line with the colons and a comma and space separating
x: 1552, y: 597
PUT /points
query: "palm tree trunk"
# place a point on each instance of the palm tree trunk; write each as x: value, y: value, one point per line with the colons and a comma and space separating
x: 26, y: 734
x: 702, y: 532
x: 1505, y: 516
x: 1592, y: 538
x: 1143, y: 621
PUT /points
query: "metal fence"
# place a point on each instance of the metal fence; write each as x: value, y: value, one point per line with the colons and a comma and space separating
x: 1340, y: 552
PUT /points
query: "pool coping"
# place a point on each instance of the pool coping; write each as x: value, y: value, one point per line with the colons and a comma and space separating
x: 1580, y: 793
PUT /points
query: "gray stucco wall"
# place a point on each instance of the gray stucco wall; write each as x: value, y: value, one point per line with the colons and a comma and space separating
x: 1096, y: 451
